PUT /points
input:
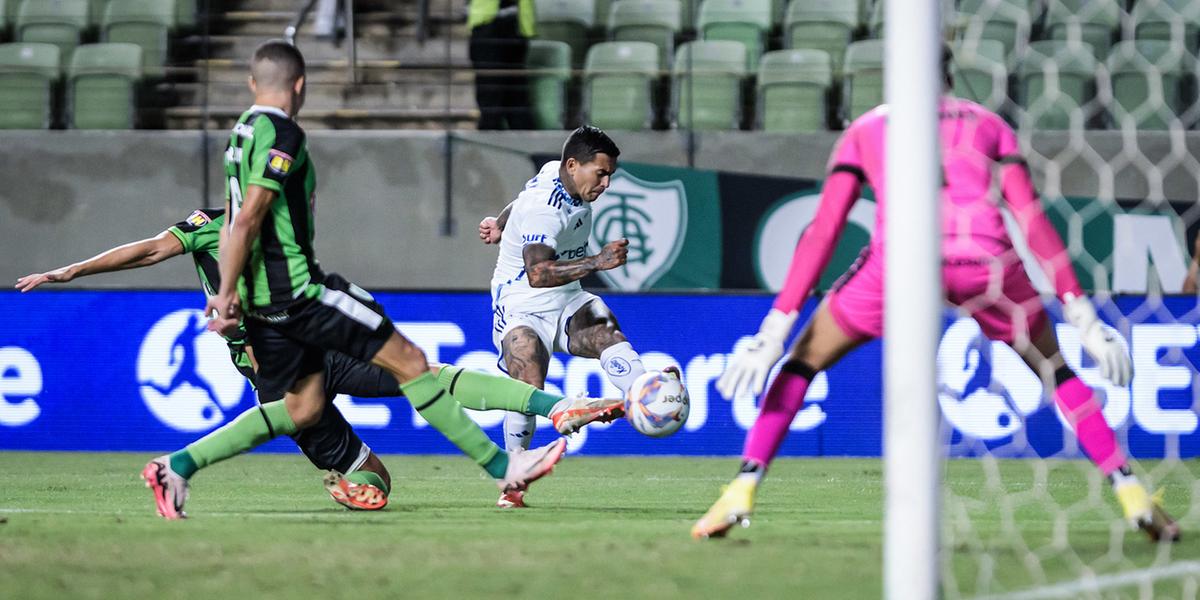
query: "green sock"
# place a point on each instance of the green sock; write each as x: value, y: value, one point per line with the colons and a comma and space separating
x: 480, y: 391
x: 368, y: 477
x: 498, y: 466
x: 447, y: 416
x: 253, y: 427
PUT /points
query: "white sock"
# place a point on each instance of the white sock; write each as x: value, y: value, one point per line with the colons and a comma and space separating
x: 622, y: 364
x: 518, y: 431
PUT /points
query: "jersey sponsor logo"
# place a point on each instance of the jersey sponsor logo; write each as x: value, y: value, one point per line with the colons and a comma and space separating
x: 533, y: 238
x: 652, y: 215
x: 572, y: 253
x: 279, y: 162
x: 198, y: 219
x: 184, y: 373
x: 233, y: 155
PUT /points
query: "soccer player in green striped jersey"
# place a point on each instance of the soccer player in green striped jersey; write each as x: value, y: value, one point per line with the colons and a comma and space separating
x: 295, y: 312
x: 331, y: 443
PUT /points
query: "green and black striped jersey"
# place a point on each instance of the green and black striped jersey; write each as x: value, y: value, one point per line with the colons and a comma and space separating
x: 268, y: 149
x: 200, y: 235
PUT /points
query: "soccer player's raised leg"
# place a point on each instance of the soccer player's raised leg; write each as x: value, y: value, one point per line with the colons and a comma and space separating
x: 593, y: 332
x: 820, y: 345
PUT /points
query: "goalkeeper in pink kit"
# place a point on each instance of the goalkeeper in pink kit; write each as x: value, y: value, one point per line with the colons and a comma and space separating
x: 982, y: 274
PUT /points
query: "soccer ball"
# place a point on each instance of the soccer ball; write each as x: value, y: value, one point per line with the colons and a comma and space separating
x: 657, y: 404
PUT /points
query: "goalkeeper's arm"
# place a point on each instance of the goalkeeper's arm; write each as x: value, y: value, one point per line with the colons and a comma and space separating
x: 747, y: 372
x: 1048, y: 248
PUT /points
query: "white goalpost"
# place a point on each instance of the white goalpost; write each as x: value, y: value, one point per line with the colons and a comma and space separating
x: 913, y: 301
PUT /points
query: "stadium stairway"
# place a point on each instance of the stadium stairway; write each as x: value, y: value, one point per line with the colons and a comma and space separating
x: 401, y: 81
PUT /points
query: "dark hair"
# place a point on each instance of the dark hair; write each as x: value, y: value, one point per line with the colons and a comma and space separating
x: 947, y: 64
x: 287, y: 61
x: 586, y: 142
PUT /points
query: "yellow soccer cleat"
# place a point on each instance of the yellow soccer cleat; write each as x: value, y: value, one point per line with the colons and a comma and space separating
x: 732, y: 508
x: 1146, y: 512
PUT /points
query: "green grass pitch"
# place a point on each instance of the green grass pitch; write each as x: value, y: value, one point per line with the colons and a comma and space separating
x: 83, y: 526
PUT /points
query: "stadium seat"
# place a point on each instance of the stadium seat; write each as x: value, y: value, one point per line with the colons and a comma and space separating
x: 980, y: 73
x: 1094, y: 22
x: 1137, y: 70
x: 744, y: 21
x: 619, y: 82
x: 102, y: 86
x: 827, y: 25
x: 653, y: 21
x: 146, y: 23
x: 566, y: 21
x: 1053, y: 64
x: 28, y: 75
x: 1170, y: 20
x: 707, y: 85
x: 1006, y: 21
x: 549, y: 64
x: 793, y: 90
x: 862, y: 78
x: 58, y: 22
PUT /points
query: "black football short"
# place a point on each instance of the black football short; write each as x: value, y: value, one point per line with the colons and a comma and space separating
x: 292, y: 344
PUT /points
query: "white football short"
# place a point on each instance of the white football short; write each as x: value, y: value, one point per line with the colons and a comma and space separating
x: 548, y: 315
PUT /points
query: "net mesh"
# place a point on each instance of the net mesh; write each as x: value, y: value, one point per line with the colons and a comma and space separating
x: 1103, y: 97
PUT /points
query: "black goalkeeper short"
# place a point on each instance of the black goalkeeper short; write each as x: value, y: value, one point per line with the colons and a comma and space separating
x: 292, y: 344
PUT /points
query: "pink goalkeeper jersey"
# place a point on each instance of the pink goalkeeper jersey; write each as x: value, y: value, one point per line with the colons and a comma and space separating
x: 973, y: 141
x: 975, y: 144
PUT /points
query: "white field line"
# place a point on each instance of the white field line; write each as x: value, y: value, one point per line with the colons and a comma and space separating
x: 1094, y: 585
x: 149, y: 512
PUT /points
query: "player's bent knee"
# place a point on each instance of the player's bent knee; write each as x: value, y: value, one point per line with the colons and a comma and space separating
x: 304, y: 414
x: 402, y: 358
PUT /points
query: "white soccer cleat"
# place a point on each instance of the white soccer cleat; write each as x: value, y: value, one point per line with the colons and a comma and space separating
x: 528, y: 466
x: 170, y: 490
x: 512, y: 499
x: 571, y: 414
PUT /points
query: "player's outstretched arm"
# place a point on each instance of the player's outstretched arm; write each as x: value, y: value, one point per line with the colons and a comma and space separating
x: 142, y: 253
x: 235, y: 243
x: 747, y: 371
x: 544, y: 271
x: 1046, y: 245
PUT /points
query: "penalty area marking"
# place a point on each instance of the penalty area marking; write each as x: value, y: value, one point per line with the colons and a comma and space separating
x: 1073, y: 589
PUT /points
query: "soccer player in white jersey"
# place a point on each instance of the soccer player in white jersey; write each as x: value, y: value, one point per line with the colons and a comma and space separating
x: 538, y: 305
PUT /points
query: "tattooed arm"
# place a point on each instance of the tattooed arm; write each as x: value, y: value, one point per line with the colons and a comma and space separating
x: 544, y: 271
